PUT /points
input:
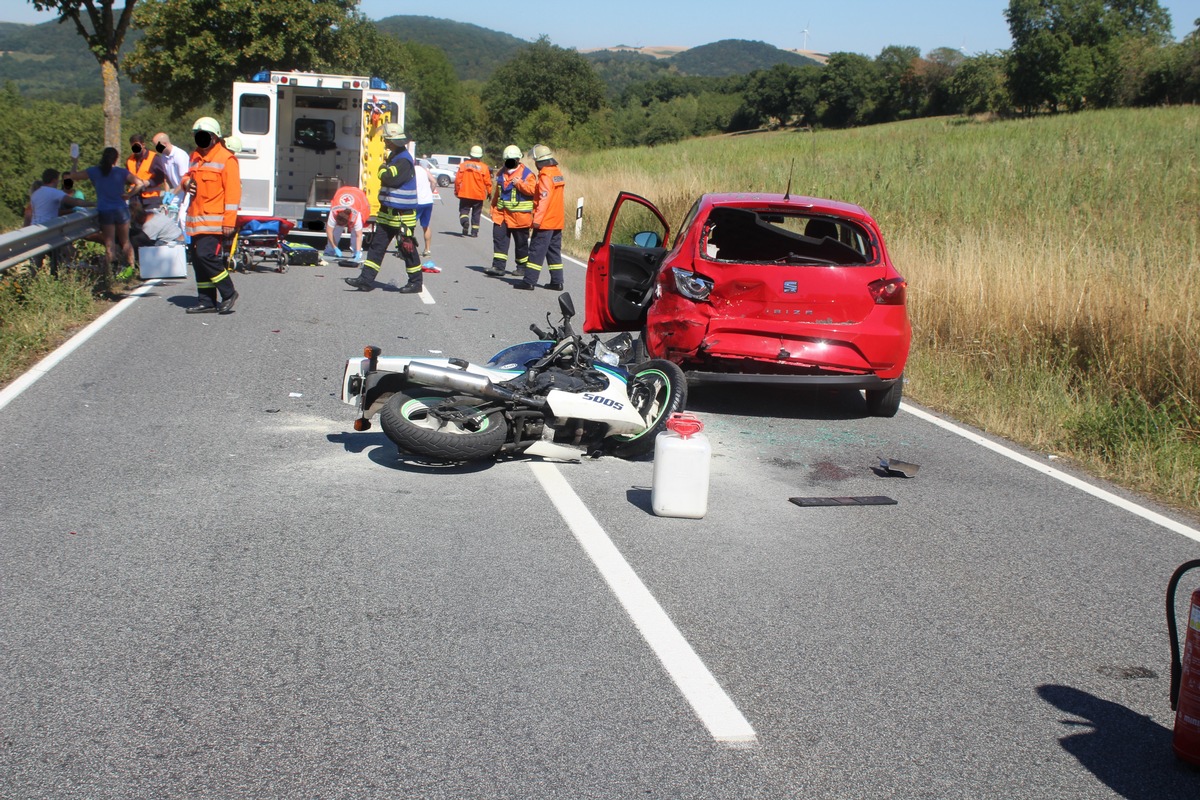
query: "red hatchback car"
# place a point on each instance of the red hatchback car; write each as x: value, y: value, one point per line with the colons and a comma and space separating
x: 757, y: 288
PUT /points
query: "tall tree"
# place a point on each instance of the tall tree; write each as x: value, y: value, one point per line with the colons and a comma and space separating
x: 1067, y: 52
x: 899, y: 93
x: 193, y: 50
x: 104, y: 33
x: 849, y: 83
x: 538, y: 75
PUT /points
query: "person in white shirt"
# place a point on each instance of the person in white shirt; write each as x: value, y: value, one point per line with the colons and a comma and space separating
x: 426, y: 186
x: 176, y: 163
x: 48, y: 199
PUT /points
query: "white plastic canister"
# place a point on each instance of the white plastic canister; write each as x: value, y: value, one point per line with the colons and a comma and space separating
x: 681, y: 457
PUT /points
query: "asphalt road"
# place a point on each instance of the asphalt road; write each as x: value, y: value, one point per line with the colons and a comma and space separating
x: 212, y: 587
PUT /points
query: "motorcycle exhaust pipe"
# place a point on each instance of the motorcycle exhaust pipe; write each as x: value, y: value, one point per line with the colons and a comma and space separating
x: 457, y: 380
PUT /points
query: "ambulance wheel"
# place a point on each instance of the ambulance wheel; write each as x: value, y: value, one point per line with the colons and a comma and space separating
x: 658, y: 389
x: 443, y: 426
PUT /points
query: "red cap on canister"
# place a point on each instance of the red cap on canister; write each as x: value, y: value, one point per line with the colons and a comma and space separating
x: 686, y: 425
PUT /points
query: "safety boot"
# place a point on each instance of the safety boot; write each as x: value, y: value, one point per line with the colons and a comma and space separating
x: 413, y: 286
x: 363, y: 281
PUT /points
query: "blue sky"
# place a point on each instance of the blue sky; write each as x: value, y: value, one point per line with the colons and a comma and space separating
x: 856, y: 26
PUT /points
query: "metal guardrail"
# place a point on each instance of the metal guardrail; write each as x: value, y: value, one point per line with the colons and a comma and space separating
x: 33, y: 240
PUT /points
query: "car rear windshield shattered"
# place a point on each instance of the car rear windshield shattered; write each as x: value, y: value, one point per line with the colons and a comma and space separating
x: 768, y: 237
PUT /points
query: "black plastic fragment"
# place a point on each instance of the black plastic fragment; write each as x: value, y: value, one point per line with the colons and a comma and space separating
x: 875, y: 500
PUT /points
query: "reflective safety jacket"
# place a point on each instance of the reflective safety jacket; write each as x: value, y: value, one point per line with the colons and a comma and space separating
x: 398, y: 182
x: 144, y: 170
x: 512, y: 197
x: 548, y: 209
x: 473, y: 180
x: 218, y: 191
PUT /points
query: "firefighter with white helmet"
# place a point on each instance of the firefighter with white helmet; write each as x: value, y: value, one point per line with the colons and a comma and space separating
x: 471, y: 185
x: 397, y: 217
x: 512, y: 212
x: 214, y: 184
x: 549, y: 213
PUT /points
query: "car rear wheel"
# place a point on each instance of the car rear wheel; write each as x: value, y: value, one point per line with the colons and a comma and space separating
x: 885, y: 402
x: 443, y: 180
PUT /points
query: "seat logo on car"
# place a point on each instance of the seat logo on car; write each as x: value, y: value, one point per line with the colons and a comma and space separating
x: 791, y: 287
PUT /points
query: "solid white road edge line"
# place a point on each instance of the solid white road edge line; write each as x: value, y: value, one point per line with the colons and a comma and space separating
x: 1070, y: 480
x: 710, y: 702
x: 14, y: 389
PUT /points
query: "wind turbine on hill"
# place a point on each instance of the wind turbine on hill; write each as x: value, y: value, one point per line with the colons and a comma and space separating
x: 806, y: 36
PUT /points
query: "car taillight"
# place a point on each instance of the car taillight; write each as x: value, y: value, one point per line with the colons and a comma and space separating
x: 889, y: 292
x: 692, y: 285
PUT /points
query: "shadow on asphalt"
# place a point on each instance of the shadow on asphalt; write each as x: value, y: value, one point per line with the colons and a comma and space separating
x: 381, y: 451
x: 1128, y: 752
x: 775, y: 402
x: 639, y: 496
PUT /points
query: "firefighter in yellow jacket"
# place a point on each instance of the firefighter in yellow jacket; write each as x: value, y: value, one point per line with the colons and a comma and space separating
x: 512, y: 211
x: 214, y: 183
x: 549, y: 212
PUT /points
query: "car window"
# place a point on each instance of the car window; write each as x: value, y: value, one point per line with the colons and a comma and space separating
x: 740, y: 235
x: 633, y: 219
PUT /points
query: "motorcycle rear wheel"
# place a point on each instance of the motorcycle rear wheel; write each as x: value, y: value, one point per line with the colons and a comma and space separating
x: 416, y: 425
x: 663, y: 390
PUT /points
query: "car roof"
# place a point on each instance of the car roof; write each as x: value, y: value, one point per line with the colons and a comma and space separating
x: 793, y: 202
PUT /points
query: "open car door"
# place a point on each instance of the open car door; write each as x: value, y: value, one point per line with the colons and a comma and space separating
x: 622, y: 268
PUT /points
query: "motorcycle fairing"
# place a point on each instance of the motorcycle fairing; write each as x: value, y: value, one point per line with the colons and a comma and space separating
x: 610, y: 406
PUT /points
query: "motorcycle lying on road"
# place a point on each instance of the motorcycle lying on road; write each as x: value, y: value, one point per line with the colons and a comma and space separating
x: 560, y: 396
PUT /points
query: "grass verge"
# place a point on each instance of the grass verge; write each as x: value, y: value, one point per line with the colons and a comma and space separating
x: 39, y: 312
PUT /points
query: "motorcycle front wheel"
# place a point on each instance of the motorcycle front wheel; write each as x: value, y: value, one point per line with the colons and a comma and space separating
x: 658, y: 389
x: 443, y: 426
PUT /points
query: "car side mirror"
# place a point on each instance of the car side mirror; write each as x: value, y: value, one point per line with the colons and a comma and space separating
x: 566, y: 305
x: 647, y: 239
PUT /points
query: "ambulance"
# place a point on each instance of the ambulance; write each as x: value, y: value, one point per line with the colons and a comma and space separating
x: 304, y: 134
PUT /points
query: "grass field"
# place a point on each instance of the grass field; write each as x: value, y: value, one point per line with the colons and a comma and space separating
x: 1053, y: 265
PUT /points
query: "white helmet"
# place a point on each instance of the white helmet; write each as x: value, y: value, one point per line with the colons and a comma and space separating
x: 233, y: 144
x: 512, y: 151
x: 541, y: 153
x: 476, y: 152
x: 393, y: 132
x: 208, y: 124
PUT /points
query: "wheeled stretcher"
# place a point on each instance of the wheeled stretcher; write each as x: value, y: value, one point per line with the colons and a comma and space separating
x: 260, y: 240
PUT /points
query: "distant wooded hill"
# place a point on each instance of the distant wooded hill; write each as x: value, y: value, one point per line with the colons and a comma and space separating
x: 50, y: 61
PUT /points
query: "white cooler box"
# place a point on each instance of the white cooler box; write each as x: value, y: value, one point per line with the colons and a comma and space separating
x: 169, y: 261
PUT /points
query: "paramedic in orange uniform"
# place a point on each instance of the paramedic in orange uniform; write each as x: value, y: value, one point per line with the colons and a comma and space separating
x: 214, y: 183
